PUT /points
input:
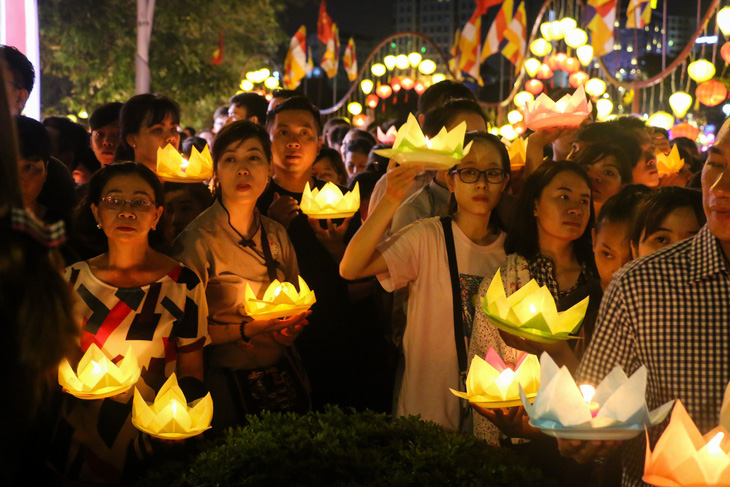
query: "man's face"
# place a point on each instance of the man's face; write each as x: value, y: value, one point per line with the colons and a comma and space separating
x: 294, y: 142
x: 17, y: 96
x: 237, y: 112
x: 645, y: 171
x: 716, y: 188
x: 104, y: 142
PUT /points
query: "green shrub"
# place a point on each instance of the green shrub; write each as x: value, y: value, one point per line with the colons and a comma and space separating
x: 345, y: 449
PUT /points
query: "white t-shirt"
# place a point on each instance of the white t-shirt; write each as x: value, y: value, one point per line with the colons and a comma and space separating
x: 416, y: 256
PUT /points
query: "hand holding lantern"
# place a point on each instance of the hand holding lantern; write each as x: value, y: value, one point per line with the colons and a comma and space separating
x: 329, y: 202
x: 173, y: 168
x: 281, y: 300
x: 98, y: 377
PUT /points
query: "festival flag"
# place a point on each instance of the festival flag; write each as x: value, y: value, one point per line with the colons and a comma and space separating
x: 495, y: 36
x: 469, y: 47
x: 218, y: 53
x: 310, y: 64
x: 350, y: 60
x: 638, y: 14
x: 454, y: 53
x: 296, y: 63
x: 516, y: 36
x: 600, y: 16
x: 324, y: 24
x: 330, y: 59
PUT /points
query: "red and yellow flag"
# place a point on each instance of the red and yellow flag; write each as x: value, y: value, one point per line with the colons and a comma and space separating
x: 295, y: 64
x: 350, y: 61
x: 328, y: 33
x: 469, y: 47
x: 516, y: 36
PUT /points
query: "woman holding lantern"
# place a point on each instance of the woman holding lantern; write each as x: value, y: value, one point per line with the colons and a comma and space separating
x: 131, y: 297
x: 250, y: 366
x: 441, y: 260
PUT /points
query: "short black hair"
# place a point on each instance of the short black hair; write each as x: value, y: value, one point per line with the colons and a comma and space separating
x: 33, y: 140
x: 107, y: 114
x: 359, y: 145
x: 441, y: 116
x: 186, y: 147
x: 281, y: 93
x: 630, y: 123
x: 295, y: 103
x: 337, y: 134
x: 239, y: 131
x: 437, y: 94
x: 624, y: 163
x: 376, y: 162
x: 21, y: 67
x: 367, y: 181
x: 221, y: 112
x: 255, y: 105
x: 657, y: 205
x: 362, y: 134
x: 621, y: 207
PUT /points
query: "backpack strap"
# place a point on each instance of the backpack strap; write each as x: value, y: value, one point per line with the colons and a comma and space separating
x: 456, y: 299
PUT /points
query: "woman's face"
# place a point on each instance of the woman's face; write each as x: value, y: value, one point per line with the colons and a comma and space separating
x: 243, y: 171
x: 605, y: 178
x: 146, y: 142
x: 325, y: 171
x: 611, y: 249
x: 32, y: 176
x: 481, y: 196
x: 127, y: 210
x: 563, y: 209
x: 678, y: 225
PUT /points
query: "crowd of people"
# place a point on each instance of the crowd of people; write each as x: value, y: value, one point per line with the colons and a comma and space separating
x: 162, y: 267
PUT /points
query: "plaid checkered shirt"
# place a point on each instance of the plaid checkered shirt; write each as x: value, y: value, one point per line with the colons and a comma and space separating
x: 669, y: 311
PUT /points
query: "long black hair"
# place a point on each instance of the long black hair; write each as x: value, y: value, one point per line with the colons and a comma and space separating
x: 523, y: 236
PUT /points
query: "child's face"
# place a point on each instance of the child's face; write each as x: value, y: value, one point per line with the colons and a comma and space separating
x: 323, y: 170
x: 678, y: 225
x: 611, y: 249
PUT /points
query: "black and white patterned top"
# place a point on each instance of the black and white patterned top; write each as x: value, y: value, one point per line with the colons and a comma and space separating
x: 669, y: 311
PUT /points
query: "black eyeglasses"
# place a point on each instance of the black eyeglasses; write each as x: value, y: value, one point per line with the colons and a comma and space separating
x: 114, y: 203
x: 470, y: 175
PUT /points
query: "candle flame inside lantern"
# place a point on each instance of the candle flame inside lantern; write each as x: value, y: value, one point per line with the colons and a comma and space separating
x: 505, y: 378
x: 713, y: 446
x: 560, y: 104
x: 278, y: 290
x: 533, y: 309
x: 588, y: 391
x: 428, y: 143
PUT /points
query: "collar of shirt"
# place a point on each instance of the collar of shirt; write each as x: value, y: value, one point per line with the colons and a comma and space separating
x: 705, y: 257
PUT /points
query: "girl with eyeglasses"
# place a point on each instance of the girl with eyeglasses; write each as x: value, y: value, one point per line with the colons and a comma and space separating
x: 130, y: 295
x: 443, y: 261
x: 251, y: 365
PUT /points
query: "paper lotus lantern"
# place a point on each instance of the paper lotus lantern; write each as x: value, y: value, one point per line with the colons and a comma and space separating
x: 172, y: 167
x: 281, y: 300
x: 354, y: 108
x: 661, y: 119
x: 531, y: 66
x: 680, y: 103
x: 443, y: 151
x: 569, y: 111
x: 711, y: 93
x: 701, y: 70
x: 544, y: 72
x: 595, y: 87
x: 329, y: 202
x: 492, y: 384
x: 671, y: 163
x: 534, y: 86
x: 604, y: 107
x: 388, y: 137
x: 570, y: 65
x: 531, y: 312
x: 170, y: 417
x: 725, y: 52
x: 98, y: 377
x: 616, y: 411
x: 360, y: 120
x: 723, y: 20
x: 514, y: 116
x: 576, y: 38
x: 522, y: 98
x: 372, y: 100
x: 384, y: 91
x: 585, y: 54
x: 578, y: 79
x: 517, y: 150
x: 540, y: 47
x: 684, y: 457
x: 366, y: 86
x: 685, y: 130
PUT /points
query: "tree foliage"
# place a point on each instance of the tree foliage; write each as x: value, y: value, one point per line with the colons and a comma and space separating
x: 88, y: 50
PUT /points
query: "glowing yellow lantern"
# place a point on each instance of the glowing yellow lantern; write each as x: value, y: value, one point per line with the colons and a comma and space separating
x: 604, y: 107
x: 251, y: 76
x: 668, y: 164
x: 556, y: 30
x: 171, y: 166
x: 683, y: 456
x: 568, y: 24
x: 414, y: 59
x: 545, y: 30
x: 514, y: 116
x: 366, y: 86
x: 271, y: 83
x: 576, y: 38
x: 83, y: 114
x: 540, y: 47
x: 389, y: 62
x: 329, y: 202
x: 281, y: 299
x: 98, y: 377
x: 661, y: 119
x: 377, y: 69
x: 508, y: 132
x: 584, y: 54
x: 443, y: 151
x: 437, y: 78
x: 531, y: 66
x: 354, y: 108
x: 491, y: 383
x: 263, y: 74
x: 246, y: 85
x: 170, y: 417
x: 427, y: 67
x: 680, y: 102
x: 723, y: 20
x: 531, y: 312
x: 701, y: 70
x: 402, y: 62
x: 595, y: 87
x: 522, y: 98
x: 517, y: 150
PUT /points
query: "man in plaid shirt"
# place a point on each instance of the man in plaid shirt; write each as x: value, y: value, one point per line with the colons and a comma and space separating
x: 670, y: 311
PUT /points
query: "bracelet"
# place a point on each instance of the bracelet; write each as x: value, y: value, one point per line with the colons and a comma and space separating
x: 244, y: 338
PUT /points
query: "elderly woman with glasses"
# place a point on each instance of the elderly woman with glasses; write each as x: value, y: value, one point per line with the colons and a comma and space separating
x: 130, y: 295
x: 443, y: 261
